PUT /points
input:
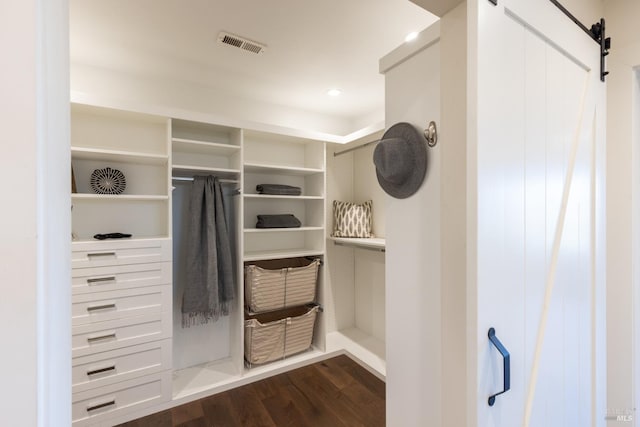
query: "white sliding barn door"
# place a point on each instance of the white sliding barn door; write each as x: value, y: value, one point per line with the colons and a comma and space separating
x: 536, y: 241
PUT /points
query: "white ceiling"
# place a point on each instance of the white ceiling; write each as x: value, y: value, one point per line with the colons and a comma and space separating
x: 312, y: 46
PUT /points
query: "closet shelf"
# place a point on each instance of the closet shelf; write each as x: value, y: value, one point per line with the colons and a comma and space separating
x: 285, y: 170
x: 190, y: 170
x: 282, y: 253
x: 365, y: 243
x: 121, y: 197
x: 192, y: 146
x: 98, y: 154
x: 276, y: 197
x: 280, y: 230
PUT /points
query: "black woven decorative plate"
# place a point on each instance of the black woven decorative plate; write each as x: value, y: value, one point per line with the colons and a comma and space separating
x: 108, y: 181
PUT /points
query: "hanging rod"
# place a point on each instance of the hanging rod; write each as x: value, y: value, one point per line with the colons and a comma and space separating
x: 357, y: 246
x: 190, y: 178
x: 355, y: 148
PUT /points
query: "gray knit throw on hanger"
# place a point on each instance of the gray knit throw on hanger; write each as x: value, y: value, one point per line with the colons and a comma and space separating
x: 209, y: 288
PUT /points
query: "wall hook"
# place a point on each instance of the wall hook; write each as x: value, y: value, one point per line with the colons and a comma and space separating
x: 431, y: 134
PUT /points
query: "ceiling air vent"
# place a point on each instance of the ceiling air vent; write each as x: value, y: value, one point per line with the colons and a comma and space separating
x: 241, y: 42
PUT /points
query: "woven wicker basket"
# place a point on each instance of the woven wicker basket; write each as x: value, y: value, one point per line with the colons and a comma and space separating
x: 278, y: 334
x: 277, y: 284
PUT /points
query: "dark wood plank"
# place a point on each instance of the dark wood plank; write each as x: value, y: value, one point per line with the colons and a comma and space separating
x: 338, y: 377
x: 249, y: 409
x: 159, y: 419
x: 197, y: 422
x: 313, y: 410
x: 360, y: 374
x: 334, y: 393
x: 219, y: 412
x: 187, y: 412
x: 283, y: 411
x: 328, y: 395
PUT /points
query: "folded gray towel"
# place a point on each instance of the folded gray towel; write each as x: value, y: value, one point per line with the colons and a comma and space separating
x: 279, y: 189
x: 278, y: 221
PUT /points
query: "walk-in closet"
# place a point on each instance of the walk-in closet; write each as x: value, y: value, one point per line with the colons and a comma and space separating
x: 133, y: 347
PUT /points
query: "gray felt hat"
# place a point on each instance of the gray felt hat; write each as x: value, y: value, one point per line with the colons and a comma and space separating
x: 401, y: 160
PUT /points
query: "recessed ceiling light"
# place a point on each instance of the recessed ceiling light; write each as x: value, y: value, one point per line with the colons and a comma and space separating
x: 411, y: 36
x: 334, y: 92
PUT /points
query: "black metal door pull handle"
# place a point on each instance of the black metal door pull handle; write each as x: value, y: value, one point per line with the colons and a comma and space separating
x: 505, y: 362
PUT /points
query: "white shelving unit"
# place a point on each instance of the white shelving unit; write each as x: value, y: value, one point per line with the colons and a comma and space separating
x: 205, y: 149
x: 150, y: 151
x: 121, y: 288
x: 137, y: 145
x: 210, y: 355
x: 277, y: 159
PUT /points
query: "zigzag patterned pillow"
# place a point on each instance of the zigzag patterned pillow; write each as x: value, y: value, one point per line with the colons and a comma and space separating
x: 351, y: 220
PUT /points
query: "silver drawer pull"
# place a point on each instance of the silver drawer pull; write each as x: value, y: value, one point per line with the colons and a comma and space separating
x: 99, y: 280
x: 101, y: 370
x: 101, y: 254
x: 101, y: 307
x: 101, y: 405
x: 101, y: 338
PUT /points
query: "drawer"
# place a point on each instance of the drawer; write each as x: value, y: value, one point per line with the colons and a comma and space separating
x: 104, y: 336
x: 98, y: 279
x: 119, y: 252
x: 96, y: 406
x: 99, y: 370
x: 101, y: 306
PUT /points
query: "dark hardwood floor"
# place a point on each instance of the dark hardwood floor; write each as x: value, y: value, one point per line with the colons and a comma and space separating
x: 334, y: 393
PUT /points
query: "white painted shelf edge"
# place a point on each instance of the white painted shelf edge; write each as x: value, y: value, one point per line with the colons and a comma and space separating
x: 191, y: 168
x: 277, y: 197
x: 287, y: 170
x: 121, y: 197
x: 279, y: 230
x: 202, y: 147
x: 288, y: 253
x: 369, y: 243
x: 120, y: 242
x: 118, y: 155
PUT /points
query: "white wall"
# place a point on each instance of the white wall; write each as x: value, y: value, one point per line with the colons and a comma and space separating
x: 587, y: 11
x: 623, y: 184
x: 35, y: 245
x: 413, y: 274
x: 453, y: 211
x: 150, y: 93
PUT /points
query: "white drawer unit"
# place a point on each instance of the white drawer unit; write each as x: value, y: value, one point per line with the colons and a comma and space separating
x: 113, y: 277
x: 101, y: 306
x: 119, y: 252
x: 90, y: 408
x: 122, y: 311
x: 112, y: 334
x: 101, y: 369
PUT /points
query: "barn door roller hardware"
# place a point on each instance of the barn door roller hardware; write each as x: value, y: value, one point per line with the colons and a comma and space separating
x: 596, y: 32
